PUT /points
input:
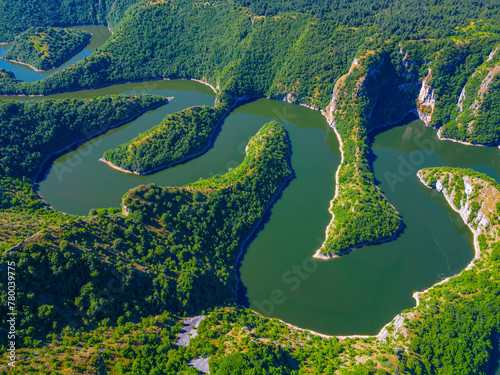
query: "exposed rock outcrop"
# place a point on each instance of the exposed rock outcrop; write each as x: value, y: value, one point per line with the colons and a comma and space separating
x: 426, y: 100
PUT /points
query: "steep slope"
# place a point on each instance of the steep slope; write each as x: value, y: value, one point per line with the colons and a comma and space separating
x: 360, y: 213
x: 174, y: 249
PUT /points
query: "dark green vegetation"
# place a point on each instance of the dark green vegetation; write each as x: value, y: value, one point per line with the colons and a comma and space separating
x: 17, y: 16
x: 299, y: 56
x: 180, y: 135
x: 174, y: 250
x: 450, y: 331
x: 299, y: 53
x: 31, y: 131
x: 361, y: 214
x: 46, y: 48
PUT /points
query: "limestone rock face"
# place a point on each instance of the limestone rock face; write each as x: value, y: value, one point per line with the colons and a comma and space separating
x: 426, y: 101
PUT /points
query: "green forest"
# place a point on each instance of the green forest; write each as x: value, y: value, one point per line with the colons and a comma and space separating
x: 47, y: 48
x: 174, y: 249
x: 180, y: 135
x: 31, y: 131
x: 107, y: 293
x: 461, y: 314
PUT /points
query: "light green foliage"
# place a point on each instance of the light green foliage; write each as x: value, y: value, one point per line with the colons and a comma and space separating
x: 104, y: 267
x: 31, y: 131
x: 22, y: 212
x: 46, y: 48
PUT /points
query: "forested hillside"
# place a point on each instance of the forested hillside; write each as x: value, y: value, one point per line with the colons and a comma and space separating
x: 450, y: 331
x: 106, y: 293
x: 31, y: 131
x: 17, y: 16
x: 174, y: 249
x: 46, y: 48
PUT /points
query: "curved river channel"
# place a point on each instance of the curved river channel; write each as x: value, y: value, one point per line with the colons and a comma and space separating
x: 356, y: 294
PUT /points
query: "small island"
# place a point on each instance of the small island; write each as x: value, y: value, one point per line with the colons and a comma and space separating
x: 44, y: 48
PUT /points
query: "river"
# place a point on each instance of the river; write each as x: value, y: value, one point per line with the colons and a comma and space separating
x: 24, y: 73
x: 356, y: 294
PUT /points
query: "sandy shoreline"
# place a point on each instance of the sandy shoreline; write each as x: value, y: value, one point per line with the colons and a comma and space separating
x: 315, y: 333
x: 59, y: 64
x: 318, y: 254
x: 26, y: 64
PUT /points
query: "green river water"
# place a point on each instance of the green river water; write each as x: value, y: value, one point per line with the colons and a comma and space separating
x: 356, y: 294
x: 24, y: 73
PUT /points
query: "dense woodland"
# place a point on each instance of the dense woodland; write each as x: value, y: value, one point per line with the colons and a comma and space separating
x: 180, y: 135
x: 174, y: 251
x: 46, y: 48
x: 105, y: 293
x: 31, y: 131
x: 461, y: 314
x: 17, y: 16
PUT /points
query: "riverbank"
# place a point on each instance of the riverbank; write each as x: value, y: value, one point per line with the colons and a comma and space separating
x: 314, y: 333
x: 58, y: 63
x: 23, y: 63
x: 203, y: 83
x: 475, y: 233
x: 54, y: 155
x: 318, y: 254
x: 246, y: 241
x: 441, y: 138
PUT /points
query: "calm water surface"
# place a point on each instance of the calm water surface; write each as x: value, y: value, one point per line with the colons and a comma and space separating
x: 24, y: 73
x: 356, y: 294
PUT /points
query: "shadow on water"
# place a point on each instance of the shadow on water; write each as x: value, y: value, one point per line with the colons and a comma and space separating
x: 241, y: 291
x: 494, y: 362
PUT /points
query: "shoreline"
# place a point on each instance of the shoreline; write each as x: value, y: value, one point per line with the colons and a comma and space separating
x: 319, y: 254
x: 255, y: 229
x: 477, y: 249
x: 441, y: 138
x: 104, y: 85
x: 26, y: 64
x: 315, y: 333
x: 59, y: 64
x: 202, y: 82
x: 43, y: 168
